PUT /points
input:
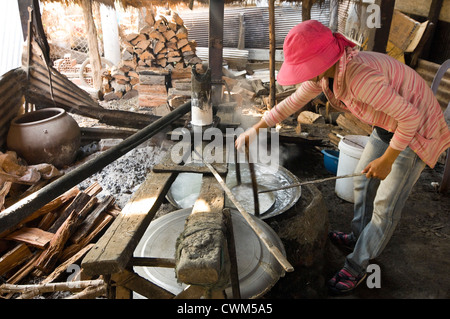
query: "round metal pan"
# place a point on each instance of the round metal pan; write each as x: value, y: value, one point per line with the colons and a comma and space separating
x: 258, y: 270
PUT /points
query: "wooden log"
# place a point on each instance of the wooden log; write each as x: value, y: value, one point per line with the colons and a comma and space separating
x: 25, y: 270
x: 200, y: 261
x: 90, y: 293
x: 181, y: 43
x: 70, y: 261
x: 308, y: 117
x: 350, y: 126
x: 149, y: 89
x: 79, y: 202
x: 50, y: 287
x: 363, y: 126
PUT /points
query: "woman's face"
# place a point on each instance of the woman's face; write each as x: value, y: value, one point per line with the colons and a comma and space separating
x: 328, y: 73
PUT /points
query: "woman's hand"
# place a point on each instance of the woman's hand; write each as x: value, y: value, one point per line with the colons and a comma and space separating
x: 377, y: 169
x: 381, y: 167
x: 245, y: 139
x: 249, y: 135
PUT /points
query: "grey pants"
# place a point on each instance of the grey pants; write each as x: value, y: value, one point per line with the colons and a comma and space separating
x: 379, y: 204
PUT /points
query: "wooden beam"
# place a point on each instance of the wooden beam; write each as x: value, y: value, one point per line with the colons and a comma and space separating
x: 94, y: 54
x: 114, y: 249
x: 382, y: 34
x: 140, y: 285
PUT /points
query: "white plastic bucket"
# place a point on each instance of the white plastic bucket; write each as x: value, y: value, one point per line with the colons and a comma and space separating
x: 350, y: 147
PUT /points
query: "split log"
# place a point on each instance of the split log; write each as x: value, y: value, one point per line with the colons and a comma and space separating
x: 53, y: 205
x: 78, y: 203
x: 308, y: 117
x: 63, y: 267
x: 351, y: 126
x: 163, y: 43
x: 86, y: 226
x: 50, y: 256
x: 14, y: 258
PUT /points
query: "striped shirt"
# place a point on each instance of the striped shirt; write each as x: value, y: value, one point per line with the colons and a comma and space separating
x: 382, y: 92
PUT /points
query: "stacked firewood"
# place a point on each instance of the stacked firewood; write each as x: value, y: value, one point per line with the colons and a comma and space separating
x: 53, y: 239
x: 151, y: 59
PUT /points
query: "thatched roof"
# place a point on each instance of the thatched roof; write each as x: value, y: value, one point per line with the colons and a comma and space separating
x: 140, y: 3
x: 147, y: 3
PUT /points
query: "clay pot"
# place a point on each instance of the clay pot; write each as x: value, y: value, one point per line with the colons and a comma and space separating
x: 48, y: 135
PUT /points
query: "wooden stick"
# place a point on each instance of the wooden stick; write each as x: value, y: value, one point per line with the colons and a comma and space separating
x: 311, y: 182
x: 272, y: 249
x: 90, y: 293
x: 51, y: 287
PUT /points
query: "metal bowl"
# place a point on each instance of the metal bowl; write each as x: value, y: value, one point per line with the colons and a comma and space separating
x: 185, y: 189
x: 258, y: 270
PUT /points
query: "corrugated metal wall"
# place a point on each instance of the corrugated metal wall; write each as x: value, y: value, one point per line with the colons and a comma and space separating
x: 11, y: 37
x: 256, y: 21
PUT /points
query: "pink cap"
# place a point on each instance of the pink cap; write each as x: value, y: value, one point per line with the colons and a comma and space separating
x: 310, y: 48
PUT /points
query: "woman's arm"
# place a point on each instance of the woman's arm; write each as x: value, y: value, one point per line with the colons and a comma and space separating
x: 305, y: 93
x: 381, y: 167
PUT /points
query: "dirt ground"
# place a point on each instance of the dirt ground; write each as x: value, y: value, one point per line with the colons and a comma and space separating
x: 414, y: 265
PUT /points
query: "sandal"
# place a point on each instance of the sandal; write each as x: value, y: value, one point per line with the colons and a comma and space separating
x: 342, y: 239
x: 344, y: 281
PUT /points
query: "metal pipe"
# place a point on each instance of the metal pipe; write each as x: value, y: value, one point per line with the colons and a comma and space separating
x: 11, y: 216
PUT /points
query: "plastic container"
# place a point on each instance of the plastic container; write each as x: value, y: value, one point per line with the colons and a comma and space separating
x: 350, y: 150
x: 331, y: 160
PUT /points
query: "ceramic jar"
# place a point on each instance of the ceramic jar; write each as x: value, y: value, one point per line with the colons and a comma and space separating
x: 48, y: 135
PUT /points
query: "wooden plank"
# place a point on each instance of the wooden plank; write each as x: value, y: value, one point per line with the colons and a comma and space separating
x: 35, y: 237
x: 115, y: 248
x: 140, y: 285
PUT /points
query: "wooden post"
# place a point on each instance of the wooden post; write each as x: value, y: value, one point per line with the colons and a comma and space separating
x: 433, y: 17
x: 272, y: 50
x: 382, y: 34
x: 94, y: 55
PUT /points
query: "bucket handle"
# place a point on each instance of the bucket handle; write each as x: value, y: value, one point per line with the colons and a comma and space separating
x: 342, y: 137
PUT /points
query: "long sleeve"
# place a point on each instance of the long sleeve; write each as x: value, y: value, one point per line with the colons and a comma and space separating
x: 305, y: 93
x: 372, y: 89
